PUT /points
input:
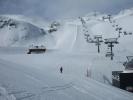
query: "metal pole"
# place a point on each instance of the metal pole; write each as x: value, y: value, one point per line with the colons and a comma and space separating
x: 111, y: 46
x: 98, y: 45
x: 98, y: 48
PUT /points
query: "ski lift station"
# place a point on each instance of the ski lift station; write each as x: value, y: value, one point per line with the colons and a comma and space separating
x: 124, y: 79
x: 37, y: 49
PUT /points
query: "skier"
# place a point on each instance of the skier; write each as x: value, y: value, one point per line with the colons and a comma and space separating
x: 61, y: 69
x: 88, y: 72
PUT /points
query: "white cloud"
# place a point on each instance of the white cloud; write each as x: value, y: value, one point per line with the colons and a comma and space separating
x: 62, y: 8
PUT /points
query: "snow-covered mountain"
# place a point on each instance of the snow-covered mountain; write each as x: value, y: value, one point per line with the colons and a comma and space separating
x: 37, y: 21
x: 19, y: 30
x: 15, y: 32
x: 71, y: 35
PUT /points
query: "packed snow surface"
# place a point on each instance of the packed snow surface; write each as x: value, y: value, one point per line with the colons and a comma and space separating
x: 35, y: 77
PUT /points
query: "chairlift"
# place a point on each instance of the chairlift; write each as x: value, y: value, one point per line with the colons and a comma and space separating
x: 116, y: 25
x: 111, y: 40
x: 97, y: 36
x: 113, y: 25
x: 130, y: 33
x: 87, y: 35
x: 85, y: 32
x: 125, y: 33
x: 114, y: 21
x: 120, y: 28
x: 97, y: 44
x: 110, y: 45
x: 116, y: 29
x: 90, y: 40
x: 120, y: 31
x: 109, y: 54
x: 107, y: 17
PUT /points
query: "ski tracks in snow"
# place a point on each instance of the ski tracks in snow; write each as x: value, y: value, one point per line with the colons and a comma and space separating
x: 56, y: 88
x: 25, y: 95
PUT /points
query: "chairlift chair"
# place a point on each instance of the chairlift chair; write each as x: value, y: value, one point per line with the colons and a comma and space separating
x: 130, y: 33
x: 90, y: 40
x: 117, y: 28
x: 109, y: 54
x: 111, y: 40
x: 125, y: 33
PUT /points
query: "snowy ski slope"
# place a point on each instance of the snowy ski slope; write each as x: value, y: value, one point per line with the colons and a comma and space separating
x: 37, y: 76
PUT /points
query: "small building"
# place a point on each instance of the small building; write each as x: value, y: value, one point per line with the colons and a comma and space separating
x: 123, y: 80
x: 36, y: 49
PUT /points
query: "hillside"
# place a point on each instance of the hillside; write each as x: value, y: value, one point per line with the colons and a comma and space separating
x: 20, y: 33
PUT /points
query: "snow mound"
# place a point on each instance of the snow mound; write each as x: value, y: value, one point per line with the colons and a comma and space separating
x: 126, y: 12
x: 4, y: 95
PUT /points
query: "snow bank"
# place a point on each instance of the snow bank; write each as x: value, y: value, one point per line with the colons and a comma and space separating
x: 4, y: 95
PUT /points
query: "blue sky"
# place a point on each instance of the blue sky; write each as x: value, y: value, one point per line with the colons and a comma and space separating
x: 54, y: 9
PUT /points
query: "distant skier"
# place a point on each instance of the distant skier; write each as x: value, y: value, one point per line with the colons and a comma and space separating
x: 88, y: 72
x: 61, y: 69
